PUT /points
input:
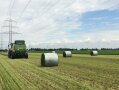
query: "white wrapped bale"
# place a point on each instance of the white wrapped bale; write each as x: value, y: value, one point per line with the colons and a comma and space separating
x: 67, y: 54
x: 94, y: 53
x: 53, y: 52
x: 49, y: 59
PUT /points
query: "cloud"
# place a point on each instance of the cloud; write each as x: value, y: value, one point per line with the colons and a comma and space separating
x: 87, y: 5
x: 56, y: 21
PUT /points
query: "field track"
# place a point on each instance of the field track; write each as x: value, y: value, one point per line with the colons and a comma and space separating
x: 81, y: 72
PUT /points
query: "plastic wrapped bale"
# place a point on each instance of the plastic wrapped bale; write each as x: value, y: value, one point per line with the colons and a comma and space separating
x: 94, y: 53
x: 49, y: 59
x: 53, y: 52
x: 67, y: 54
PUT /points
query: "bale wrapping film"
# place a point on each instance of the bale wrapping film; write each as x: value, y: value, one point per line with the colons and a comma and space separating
x: 53, y: 52
x: 67, y: 54
x: 94, y: 53
x: 49, y: 59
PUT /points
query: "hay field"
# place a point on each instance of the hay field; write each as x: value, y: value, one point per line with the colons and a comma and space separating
x: 81, y: 72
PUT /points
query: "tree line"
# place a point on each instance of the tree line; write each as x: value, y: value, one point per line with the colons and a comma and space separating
x: 62, y: 49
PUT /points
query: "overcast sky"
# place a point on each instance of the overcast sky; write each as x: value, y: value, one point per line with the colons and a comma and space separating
x: 63, y: 23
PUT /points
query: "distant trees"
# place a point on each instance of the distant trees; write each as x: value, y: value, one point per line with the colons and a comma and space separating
x: 89, y: 49
x: 62, y: 49
x: 66, y: 49
x: 3, y: 50
x: 109, y: 48
x: 99, y: 49
x: 59, y: 49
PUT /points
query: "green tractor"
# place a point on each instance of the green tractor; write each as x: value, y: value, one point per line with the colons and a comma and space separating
x: 17, y: 50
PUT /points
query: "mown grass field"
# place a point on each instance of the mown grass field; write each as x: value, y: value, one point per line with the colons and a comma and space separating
x: 81, y: 72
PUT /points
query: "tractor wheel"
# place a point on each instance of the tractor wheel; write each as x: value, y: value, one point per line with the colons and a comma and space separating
x: 26, y: 55
x: 12, y: 55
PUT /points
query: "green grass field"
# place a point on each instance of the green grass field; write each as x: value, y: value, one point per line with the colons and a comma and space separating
x: 81, y: 72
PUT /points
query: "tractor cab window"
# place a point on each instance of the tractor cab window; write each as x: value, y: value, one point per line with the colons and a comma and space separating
x: 20, y: 42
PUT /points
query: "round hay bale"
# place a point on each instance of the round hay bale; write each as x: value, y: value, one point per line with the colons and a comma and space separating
x: 49, y: 59
x: 67, y: 54
x: 53, y: 52
x: 94, y: 53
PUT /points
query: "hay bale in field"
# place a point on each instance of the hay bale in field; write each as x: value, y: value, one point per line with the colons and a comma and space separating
x: 67, y: 54
x: 94, y: 53
x: 49, y: 59
x: 53, y: 51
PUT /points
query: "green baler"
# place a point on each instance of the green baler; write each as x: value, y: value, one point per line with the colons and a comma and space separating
x: 17, y: 49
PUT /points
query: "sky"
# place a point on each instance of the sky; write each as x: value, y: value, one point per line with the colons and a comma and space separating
x: 62, y: 23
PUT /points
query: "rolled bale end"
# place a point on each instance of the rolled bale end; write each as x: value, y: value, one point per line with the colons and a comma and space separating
x: 94, y: 53
x: 67, y: 54
x: 49, y: 59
